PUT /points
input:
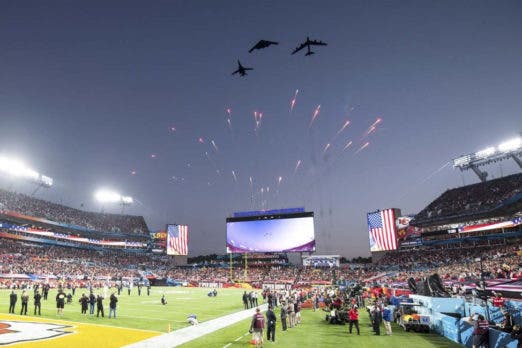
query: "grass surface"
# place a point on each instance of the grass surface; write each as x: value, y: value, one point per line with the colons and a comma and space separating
x: 146, y: 313
x: 142, y: 312
x: 314, y: 331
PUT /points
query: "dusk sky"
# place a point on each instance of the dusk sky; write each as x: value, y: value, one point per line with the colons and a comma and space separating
x: 90, y: 90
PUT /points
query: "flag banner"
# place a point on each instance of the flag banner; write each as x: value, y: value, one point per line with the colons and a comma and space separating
x: 177, y: 240
x: 382, y: 230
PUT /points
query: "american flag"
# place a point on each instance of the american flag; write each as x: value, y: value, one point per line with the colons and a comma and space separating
x: 382, y: 230
x: 177, y: 240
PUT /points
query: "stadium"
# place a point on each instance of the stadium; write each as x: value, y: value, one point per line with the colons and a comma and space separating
x: 256, y: 174
x: 462, y: 248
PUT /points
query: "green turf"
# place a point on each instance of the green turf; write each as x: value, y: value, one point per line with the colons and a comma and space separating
x: 314, y: 331
x: 143, y: 312
x: 147, y: 313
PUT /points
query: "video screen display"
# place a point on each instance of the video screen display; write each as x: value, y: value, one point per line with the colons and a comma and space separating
x: 271, y: 233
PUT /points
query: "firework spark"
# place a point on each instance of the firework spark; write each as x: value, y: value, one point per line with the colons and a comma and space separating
x: 292, y: 103
x: 297, y: 165
x: 314, y: 116
x: 326, y: 147
x: 364, y: 146
x: 348, y: 144
x: 234, y: 175
x: 346, y: 124
x: 201, y: 140
x: 214, y: 145
x: 279, y: 180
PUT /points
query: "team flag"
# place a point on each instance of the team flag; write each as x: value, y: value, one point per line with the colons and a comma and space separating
x: 177, y: 240
x: 382, y: 230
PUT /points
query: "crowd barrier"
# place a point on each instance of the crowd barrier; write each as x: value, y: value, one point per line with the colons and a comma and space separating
x: 449, y: 319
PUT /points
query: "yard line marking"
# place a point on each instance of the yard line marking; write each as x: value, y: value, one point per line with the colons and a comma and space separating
x: 228, y: 345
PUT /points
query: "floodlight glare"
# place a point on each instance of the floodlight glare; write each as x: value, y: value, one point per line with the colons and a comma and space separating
x: 18, y: 169
x: 461, y: 161
x: 126, y: 200
x: 510, y: 145
x: 485, y: 153
x: 107, y: 196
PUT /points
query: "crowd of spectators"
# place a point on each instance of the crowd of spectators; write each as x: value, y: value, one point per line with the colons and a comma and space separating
x: 471, y: 199
x: 38, y: 208
x: 61, y: 263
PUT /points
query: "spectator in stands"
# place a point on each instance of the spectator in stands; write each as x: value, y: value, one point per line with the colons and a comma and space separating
x: 516, y: 334
x: 480, y: 330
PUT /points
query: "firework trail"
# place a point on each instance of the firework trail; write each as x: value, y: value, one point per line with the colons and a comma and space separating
x: 279, y: 180
x: 348, y: 144
x: 326, y: 147
x: 133, y: 172
x: 297, y: 165
x: 229, y: 118
x: 314, y: 116
x: 364, y: 146
x: 201, y: 140
x: 346, y: 124
x: 172, y: 129
x: 373, y: 127
x: 153, y: 155
x: 234, y: 175
x: 251, y: 181
x: 214, y: 145
x: 292, y: 103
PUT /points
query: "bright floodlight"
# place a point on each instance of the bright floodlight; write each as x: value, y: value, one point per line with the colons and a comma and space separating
x: 485, y: 153
x: 19, y: 169
x: 510, y: 145
x: 105, y: 196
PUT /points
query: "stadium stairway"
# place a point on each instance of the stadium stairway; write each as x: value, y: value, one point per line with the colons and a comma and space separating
x: 187, y: 334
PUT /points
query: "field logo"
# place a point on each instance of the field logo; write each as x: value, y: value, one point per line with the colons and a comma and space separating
x: 19, y: 331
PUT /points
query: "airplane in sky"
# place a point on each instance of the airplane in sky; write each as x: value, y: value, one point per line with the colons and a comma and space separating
x: 262, y: 44
x: 241, y: 69
x: 307, y: 44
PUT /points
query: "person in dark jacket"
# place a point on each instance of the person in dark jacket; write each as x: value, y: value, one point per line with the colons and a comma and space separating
x: 376, y: 318
x: 92, y: 302
x: 283, y: 315
x: 270, y: 324
x: 25, y: 302
x: 13, y: 297
x: 113, y: 300
x: 99, y: 306
x: 84, y: 301
x: 37, y: 302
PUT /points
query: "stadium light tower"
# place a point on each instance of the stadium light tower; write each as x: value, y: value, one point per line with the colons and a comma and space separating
x: 510, y: 149
x: 17, y: 169
x: 106, y: 196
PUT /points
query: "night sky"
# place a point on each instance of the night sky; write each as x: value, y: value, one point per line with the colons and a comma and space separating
x: 90, y: 90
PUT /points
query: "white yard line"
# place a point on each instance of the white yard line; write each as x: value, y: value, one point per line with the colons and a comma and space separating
x: 187, y: 334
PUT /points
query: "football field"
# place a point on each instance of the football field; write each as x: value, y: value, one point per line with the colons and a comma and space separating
x: 143, y: 317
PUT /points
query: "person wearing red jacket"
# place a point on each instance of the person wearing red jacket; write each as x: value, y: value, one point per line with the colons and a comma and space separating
x: 353, y: 315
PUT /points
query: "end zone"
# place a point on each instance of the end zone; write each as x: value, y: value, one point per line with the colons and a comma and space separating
x: 23, y: 331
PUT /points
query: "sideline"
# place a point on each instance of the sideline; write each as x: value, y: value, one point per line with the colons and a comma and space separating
x: 187, y: 334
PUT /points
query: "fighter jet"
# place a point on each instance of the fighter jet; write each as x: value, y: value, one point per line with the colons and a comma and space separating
x: 262, y: 44
x: 307, y: 44
x: 241, y: 69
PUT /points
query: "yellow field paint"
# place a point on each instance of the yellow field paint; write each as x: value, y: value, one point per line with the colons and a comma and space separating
x: 17, y: 331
